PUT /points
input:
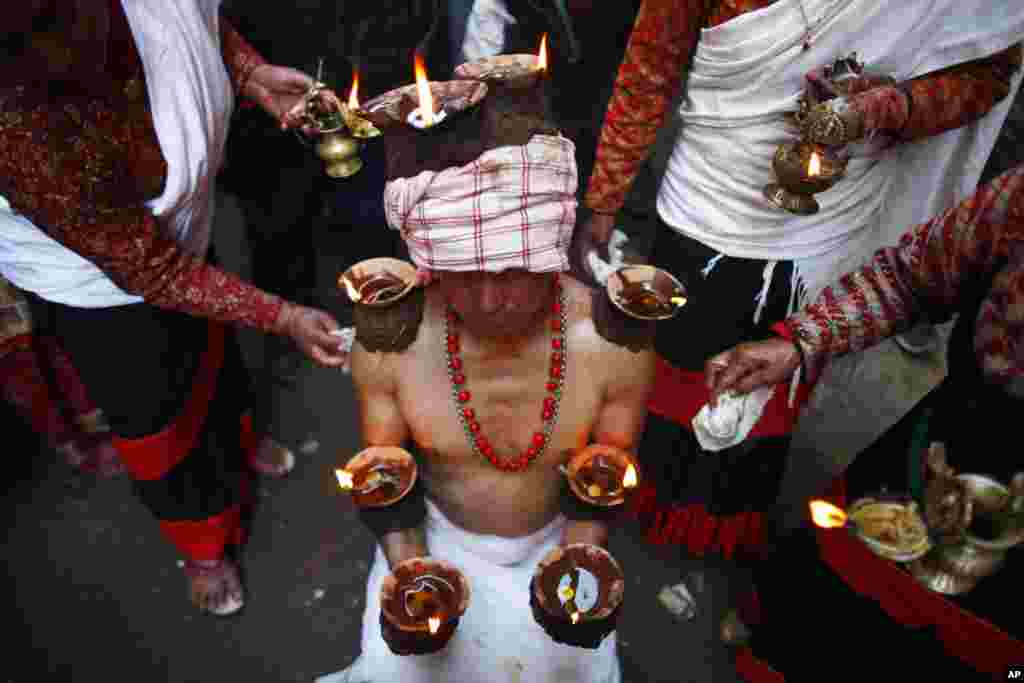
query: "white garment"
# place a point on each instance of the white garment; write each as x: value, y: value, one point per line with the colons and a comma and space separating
x: 485, y: 30
x: 191, y: 99
x: 729, y: 422
x: 497, y: 639
x: 749, y: 71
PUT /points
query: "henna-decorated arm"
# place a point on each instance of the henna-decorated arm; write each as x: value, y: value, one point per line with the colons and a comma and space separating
x: 662, y: 40
x: 240, y: 57
x: 926, y: 270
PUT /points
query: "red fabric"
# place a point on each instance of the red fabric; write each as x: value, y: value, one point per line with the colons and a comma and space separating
x: 23, y: 385
x: 697, y: 529
x: 678, y: 395
x: 205, y: 539
x: 151, y: 457
x: 753, y: 670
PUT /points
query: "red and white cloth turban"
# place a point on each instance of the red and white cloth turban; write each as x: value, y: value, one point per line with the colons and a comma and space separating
x: 514, y: 207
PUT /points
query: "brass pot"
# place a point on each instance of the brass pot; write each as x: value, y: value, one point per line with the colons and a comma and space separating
x: 955, y: 568
x: 795, y: 185
x: 341, y: 154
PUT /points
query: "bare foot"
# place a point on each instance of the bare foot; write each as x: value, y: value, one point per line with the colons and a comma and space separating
x: 272, y: 459
x: 214, y: 586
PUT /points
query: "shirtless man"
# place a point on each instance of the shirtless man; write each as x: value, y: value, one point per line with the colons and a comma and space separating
x: 493, y: 523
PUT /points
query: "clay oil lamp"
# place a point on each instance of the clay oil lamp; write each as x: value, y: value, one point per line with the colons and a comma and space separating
x: 576, y: 594
x: 387, y: 305
x: 378, y: 476
x: 634, y: 299
x: 424, y: 105
x: 421, y: 602
x: 602, y: 475
x: 508, y: 71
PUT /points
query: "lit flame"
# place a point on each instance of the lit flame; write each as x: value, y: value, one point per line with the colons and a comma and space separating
x: 542, y: 54
x: 814, y: 165
x: 575, y: 617
x: 433, y: 623
x: 353, y: 293
x: 827, y: 515
x: 344, y: 479
x: 353, y: 95
x: 423, y: 90
x: 629, y: 478
x: 566, y: 593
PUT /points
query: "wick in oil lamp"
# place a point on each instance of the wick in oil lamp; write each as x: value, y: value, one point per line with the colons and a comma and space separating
x: 576, y: 593
x: 802, y: 170
x: 602, y: 475
x: 378, y: 476
x: 422, y: 600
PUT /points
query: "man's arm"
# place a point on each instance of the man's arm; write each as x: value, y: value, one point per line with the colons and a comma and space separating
x: 620, y: 419
x: 383, y: 424
x: 926, y: 270
x: 662, y: 40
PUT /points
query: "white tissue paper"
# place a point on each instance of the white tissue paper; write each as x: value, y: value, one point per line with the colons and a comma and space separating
x: 729, y: 423
x: 346, y: 337
x: 601, y: 269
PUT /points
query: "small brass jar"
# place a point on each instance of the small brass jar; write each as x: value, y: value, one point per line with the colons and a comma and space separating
x: 797, y: 179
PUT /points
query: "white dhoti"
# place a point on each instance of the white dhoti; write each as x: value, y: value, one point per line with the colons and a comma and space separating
x: 497, y: 639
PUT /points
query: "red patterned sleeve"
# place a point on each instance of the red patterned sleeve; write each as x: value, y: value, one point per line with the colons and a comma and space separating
x: 959, y: 95
x: 240, y: 57
x: 650, y: 75
x: 926, y: 270
x: 82, y: 172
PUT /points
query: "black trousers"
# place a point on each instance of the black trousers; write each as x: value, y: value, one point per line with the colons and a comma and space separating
x: 142, y: 365
x: 718, y: 315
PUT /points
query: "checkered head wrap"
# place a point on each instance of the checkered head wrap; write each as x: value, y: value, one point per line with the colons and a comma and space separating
x: 514, y: 207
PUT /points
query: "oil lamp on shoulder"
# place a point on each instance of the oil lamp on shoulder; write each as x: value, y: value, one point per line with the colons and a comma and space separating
x: 387, y: 306
x: 635, y: 298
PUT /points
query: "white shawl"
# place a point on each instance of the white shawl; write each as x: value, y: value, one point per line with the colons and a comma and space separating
x: 748, y: 72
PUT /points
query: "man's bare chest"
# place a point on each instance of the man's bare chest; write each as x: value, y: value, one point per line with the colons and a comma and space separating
x: 509, y: 405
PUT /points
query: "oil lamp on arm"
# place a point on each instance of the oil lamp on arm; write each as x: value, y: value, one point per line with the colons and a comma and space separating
x: 378, y: 476
x: 422, y: 601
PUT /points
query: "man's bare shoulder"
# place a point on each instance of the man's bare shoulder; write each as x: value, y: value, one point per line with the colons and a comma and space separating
x: 381, y: 370
x: 609, y: 360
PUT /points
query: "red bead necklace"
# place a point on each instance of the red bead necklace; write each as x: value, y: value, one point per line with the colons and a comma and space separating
x: 549, y: 412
